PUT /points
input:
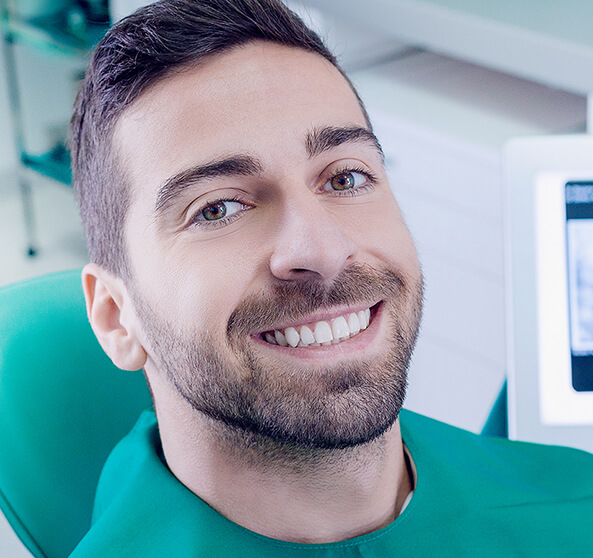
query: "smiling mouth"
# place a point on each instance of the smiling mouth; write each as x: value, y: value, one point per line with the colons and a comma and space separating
x: 323, y: 332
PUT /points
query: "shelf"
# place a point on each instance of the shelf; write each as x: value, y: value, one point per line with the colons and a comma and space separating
x: 49, y: 35
x: 55, y: 164
x: 547, y: 42
x: 52, y: 35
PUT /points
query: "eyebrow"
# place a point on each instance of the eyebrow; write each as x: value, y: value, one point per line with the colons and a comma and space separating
x: 323, y: 139
x: 240, y: 165
x: 317, y: 141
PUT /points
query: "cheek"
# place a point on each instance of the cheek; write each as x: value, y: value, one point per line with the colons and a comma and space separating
x: 208, y: 287
x: 383, y: 233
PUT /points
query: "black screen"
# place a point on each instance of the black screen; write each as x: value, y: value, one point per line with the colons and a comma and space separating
x: 579, y: 240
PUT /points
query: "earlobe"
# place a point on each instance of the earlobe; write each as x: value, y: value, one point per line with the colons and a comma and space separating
x: 115, y: 327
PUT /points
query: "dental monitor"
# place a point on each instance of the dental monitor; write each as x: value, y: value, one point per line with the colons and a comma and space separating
x: 549, y: 284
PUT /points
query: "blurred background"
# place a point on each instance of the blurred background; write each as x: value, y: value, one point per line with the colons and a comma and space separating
x: 446, y: 82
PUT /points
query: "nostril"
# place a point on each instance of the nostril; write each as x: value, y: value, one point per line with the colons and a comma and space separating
x: 302, y: 274
x: 304, y: 271
x: 313, y: 253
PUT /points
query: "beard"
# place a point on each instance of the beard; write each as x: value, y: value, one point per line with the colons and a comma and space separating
x: 270, y: 398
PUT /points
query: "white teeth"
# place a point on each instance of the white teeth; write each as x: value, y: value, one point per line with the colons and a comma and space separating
x: 307, y: 337
x: 361, y: 319
x: 271, y: 339
x: 323, y: 333
x: 280, y: 339
x: 353, y: 324
x: 341, y: 328
x: 292, y: 336
x: 364, y: 317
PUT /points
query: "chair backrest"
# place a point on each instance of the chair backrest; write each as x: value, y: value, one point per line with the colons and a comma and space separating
x: 63, y: 406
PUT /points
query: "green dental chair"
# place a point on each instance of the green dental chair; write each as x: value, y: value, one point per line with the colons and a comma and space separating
x: 63, y: 406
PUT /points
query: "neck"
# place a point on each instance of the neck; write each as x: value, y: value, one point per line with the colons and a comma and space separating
x: 283, y: 492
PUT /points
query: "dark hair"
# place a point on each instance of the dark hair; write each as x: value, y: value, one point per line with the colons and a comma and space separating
x: 135, y: 53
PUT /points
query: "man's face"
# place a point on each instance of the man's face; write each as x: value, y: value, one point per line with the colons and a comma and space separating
x: 262, y: 218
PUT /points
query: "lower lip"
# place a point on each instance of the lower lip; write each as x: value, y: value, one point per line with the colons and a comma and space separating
x: 360, y: 342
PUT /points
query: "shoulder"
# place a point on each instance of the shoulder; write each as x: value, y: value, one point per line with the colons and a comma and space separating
x: 507, y: 498
x: 508, y: 470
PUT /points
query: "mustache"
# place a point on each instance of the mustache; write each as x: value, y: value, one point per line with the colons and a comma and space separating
x: 292, y: 301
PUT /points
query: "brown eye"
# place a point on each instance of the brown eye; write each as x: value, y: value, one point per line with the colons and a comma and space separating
x: 343, y: 181
x: 214, y: 211
x: 219, y: 213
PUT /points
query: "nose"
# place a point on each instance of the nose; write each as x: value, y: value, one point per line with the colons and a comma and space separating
x: 310, y: 242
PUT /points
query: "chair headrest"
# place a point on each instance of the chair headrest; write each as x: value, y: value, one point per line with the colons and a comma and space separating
x: 63, y: 406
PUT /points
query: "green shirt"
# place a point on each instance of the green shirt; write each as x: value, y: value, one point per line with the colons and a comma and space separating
x: 475, y: 496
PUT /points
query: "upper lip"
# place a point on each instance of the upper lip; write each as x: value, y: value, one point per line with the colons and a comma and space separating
x: 323, y: 314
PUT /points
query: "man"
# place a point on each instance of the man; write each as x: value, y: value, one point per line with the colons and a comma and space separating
x: 248, y: 254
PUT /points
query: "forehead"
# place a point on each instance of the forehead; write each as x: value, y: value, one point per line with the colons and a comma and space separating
x: 260, y: 98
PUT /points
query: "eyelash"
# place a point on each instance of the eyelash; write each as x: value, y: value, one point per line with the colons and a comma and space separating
x: 367, y: 186
x: 218, y: 222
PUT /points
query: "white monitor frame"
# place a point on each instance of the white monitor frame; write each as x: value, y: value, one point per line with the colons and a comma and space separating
x: 543, y: 405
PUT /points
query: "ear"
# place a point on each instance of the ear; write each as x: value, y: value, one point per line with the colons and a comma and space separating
x: 112, y: 318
